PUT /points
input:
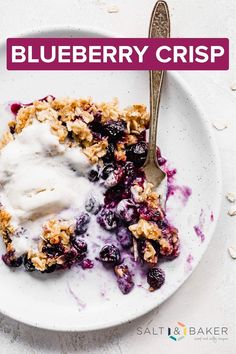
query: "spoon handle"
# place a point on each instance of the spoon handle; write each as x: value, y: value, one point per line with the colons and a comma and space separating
x: 159, y: 28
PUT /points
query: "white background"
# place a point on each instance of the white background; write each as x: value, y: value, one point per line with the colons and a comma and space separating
x: 208, y: 298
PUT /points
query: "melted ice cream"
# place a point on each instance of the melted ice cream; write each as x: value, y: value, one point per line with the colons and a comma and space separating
x: 40, y: 178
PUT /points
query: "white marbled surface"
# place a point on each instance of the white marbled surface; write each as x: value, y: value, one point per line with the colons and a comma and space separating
x: 208, y: 297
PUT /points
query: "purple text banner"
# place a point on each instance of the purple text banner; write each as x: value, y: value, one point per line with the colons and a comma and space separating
x: 117, y: 54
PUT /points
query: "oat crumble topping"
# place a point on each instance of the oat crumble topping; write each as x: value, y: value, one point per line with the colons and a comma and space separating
x: 146, y: 229
x: 89, y: 126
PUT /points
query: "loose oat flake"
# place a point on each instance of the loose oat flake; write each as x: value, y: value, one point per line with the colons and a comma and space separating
x: 232, y: 251
x: 232, y: 211
x: 233, y: 86
x: 112, y: 9
x: 231, y: 197
x: 219, y: 125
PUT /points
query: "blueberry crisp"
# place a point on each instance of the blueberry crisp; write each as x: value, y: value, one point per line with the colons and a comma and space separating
x: 71, y: 177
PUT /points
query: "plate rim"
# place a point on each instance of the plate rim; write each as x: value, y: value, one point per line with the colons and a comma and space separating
x: 206, y: 124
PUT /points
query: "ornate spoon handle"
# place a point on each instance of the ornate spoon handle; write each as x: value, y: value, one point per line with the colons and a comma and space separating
x: 159, y: 28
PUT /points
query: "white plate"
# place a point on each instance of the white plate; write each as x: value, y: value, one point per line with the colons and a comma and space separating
x: 47, y: 301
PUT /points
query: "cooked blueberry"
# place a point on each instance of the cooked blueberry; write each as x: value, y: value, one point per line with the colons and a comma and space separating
x: 124, y: 236
x: 112, y: 198
x: 124, y: 278
x: 155, y: 278
x: 114, y: 195
x: 156, y: 246
x: 96, y: 126
x: 92, y: 205
x: 71, y: 257
x: 15, y: 107
x: 155, y: 215
x: 141, y: 246
x: 147, y: 213
x: 107, y: 170
x: 11, y: 261
x: 130, y: 173
x: 82, y: 223
x: 114, y: 129
x: 87, y: 264
x: 50, y: 269
x: 98, y: 116
x: 161, y: 160
x: 142, y: 136
x: 53, y: 250
x: 28, y: 264
x: 97, y: 136
x: 110, y: 255
x: 93, y: 175
x: 107, y: 219
x: 175, y: 253
x: 17, y: 262
x: 129, y: 168
x: 109, y: 157
x: 7, y: 259
x: 70, y: 136
x: 137, y: 153
x: 12, y: 129
x: 170, y: 249
x: 114, y: 178
x: 161, y: 224
x: 80, y: 245
x: 127, y: 211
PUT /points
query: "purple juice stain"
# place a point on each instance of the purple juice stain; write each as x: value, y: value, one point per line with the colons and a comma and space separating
x: 79, y: 302
x: 189, y: 261
x: 199, y: 228
x: 184, y: 191
x: 199, y: 232
x: 171, y: 174
x: 212, y: 217
x: 172, y: 188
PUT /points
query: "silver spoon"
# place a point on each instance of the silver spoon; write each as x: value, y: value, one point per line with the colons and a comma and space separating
x: 159, y: 28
